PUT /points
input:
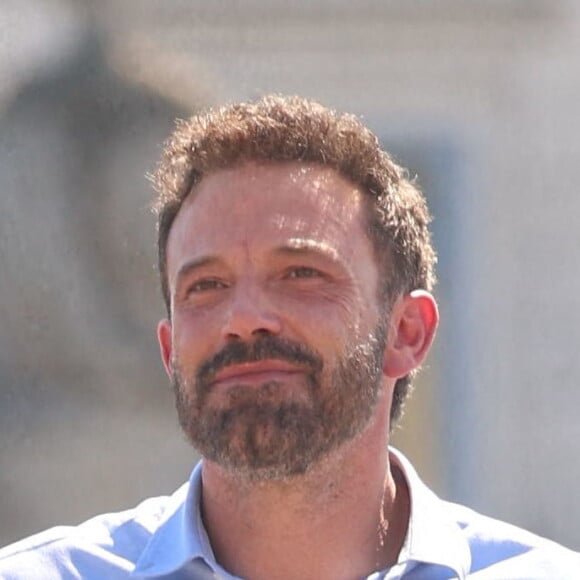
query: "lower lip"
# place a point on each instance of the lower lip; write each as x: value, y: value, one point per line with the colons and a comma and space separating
x: 256, y: 379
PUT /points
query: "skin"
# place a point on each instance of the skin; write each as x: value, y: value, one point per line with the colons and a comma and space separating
x: 281, y: 248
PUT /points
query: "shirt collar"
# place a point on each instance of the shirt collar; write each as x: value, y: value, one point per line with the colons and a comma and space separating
x: 432, y: 536
x: 181, y: 537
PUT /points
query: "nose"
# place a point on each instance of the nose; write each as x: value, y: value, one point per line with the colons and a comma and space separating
x: 250, y: 313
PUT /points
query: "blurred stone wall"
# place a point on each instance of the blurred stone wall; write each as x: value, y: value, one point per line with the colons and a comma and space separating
x: 86, y: 422
x: 85, y: 415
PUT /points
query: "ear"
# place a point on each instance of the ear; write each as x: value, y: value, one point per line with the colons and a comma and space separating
x: 412, y: 327
x: 164, y: 336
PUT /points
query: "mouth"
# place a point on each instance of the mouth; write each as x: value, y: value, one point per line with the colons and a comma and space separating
x: 256, y: 373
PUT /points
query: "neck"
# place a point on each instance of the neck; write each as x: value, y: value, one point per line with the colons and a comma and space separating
x: 344, y: 519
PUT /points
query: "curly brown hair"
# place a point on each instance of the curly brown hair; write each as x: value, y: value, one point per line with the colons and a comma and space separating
x: 282, y: 128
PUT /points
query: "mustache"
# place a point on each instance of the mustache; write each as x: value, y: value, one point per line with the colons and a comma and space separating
x: 265, y: 347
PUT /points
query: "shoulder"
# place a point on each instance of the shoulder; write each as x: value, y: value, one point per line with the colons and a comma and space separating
x: 106, y: 546
x: 502, y: 550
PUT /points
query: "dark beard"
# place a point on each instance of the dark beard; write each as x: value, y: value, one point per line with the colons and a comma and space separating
x: 258, y: 435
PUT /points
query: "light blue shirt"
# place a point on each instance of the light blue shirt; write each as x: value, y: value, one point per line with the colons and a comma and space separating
x: 164, y: 538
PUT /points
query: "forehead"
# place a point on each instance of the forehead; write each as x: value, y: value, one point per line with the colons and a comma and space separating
x: 270, y: 203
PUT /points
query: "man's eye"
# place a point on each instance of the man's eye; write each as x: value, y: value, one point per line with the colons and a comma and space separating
x: 205, y: 285
x: 303, y: 272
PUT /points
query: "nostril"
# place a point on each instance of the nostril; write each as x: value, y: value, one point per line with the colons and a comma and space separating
x: 258, y: 332
x: 261, y: 332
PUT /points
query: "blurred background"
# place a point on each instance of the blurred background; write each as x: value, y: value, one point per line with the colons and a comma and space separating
x: 480, y: 99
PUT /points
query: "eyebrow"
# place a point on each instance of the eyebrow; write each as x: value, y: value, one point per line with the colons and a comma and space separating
x: 301, y: 247
x: 195, y: 264
x: 294, y: 247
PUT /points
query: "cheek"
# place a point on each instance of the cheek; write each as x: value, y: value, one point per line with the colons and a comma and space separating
x: 194, y: 337
x: 336, y: 310
x: 340, y: 302
x: 327, y: 325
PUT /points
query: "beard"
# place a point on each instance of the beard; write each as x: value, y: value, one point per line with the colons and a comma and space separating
x: 258, y: 433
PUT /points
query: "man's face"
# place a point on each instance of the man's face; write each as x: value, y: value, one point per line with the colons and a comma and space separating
x: 276, y: 341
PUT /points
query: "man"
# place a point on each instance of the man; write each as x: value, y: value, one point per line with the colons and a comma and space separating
x: 296, y: 265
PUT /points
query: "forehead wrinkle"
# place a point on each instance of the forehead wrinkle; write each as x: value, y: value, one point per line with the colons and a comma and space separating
x: 333, y: 219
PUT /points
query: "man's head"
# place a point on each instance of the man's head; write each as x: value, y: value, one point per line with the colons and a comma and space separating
x: 279, y: 128
x: 291, y: 249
